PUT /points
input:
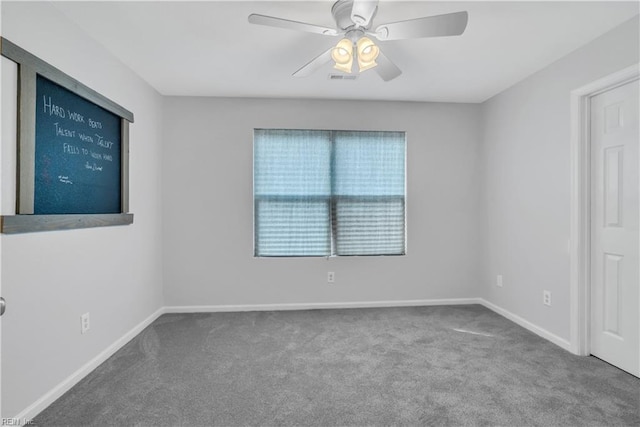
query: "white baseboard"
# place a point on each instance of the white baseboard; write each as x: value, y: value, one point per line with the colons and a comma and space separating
x: 39, y: 405
x: 318, y: 306
x: 34, y: 409
x: 560, y: 342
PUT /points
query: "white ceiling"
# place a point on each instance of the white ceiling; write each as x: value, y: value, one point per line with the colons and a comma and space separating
x: 207, y: 48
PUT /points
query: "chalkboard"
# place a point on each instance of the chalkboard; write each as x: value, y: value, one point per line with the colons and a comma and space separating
x: 77, y: 154
x: 72, y: 154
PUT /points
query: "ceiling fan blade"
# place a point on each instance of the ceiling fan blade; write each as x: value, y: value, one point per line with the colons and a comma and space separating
x: 315, y: 64
x: 450, y: 24
x: 386, y: 69
x: 363, y: 11
x: 272, y: 21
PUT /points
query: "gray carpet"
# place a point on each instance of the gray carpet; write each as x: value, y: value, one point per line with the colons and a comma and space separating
x: 383, y: 366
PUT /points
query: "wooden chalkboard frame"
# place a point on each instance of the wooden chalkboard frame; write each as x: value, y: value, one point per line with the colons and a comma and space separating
x: 29, y: 67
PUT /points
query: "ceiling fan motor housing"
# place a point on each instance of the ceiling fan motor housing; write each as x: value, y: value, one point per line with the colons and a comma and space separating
x: 341, y: 12
x: 354, y: 34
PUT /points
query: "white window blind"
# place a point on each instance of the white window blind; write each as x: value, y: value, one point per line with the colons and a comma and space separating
x: 292, y: 192
x: 369, y: 193
x: 322, y: 193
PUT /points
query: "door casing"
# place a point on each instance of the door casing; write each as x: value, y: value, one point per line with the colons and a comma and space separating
x: 580, y: 234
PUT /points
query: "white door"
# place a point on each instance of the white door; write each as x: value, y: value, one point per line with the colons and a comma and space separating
x: 615, y: 234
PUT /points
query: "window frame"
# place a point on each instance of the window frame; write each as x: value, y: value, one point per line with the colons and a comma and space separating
x: 332, y: 199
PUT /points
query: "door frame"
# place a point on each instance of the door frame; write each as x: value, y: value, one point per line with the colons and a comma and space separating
x: 580, y: 224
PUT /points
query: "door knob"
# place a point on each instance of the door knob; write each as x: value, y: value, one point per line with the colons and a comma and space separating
x: 3, y: 306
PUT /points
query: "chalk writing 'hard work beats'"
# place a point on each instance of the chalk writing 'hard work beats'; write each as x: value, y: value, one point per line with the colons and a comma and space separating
x: 77, y: 165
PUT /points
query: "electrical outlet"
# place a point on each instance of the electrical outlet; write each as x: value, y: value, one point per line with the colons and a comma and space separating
x: 499, y: 280
x: 84, y: 323
x: 331, y: 277
x: 546, y: 298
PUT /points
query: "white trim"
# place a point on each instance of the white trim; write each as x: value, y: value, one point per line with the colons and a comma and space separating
x: 48, y: 398
x: 580, y: 204
x: 318, y: 305
x: 559, y: 341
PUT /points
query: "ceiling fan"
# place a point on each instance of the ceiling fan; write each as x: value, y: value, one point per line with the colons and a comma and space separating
x: 354, y: 22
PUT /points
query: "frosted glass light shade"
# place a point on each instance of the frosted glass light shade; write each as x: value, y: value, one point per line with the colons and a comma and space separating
x: 342, y: 54
x: 367, y: 53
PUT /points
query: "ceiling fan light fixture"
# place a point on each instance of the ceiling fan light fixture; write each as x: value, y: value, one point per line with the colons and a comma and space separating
x: 354, y: 19
x: 367, y: 53
x: 342, y: 55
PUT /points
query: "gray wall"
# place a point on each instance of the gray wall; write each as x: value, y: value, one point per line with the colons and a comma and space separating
x: 208, y: 210
x: 50, y: 279
x: 526, y: 180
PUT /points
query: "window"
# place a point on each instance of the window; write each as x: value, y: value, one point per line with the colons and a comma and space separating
x: 327, y: 193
